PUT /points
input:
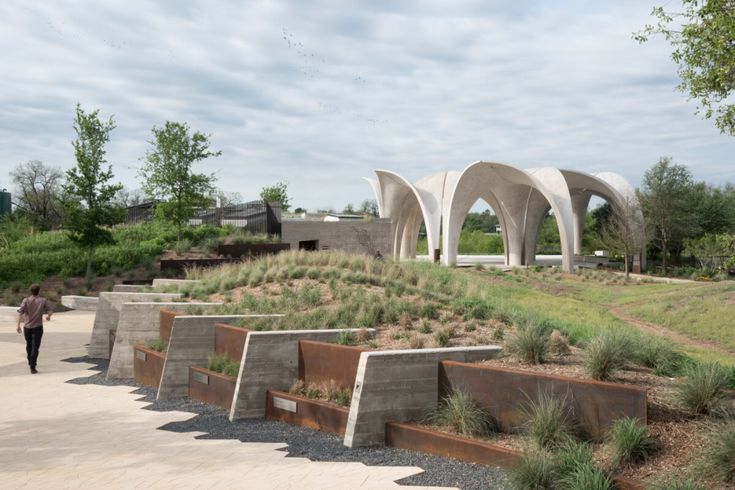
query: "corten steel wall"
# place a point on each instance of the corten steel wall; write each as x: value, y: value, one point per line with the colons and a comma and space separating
x: 229, y: 340
x: 414, y: 438
x: 167, y: 322
x: 316, y: 414
x: 505, y: 393
x: 246, y: 250
x: 148, y: 371
x: 360, y: 236
x: 219, y: 389
x: 322, y: 362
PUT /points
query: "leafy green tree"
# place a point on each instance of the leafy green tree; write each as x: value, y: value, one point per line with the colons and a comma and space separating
x: 665, y: 199
x: 277, y: 193
x: 168, y: 175
x: 88, y: 195
x: 701, y: 36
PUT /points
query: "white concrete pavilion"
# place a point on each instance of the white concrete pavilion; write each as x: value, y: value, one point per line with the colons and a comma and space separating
x: 520, y: 199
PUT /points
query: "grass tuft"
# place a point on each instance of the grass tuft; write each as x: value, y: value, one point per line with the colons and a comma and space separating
x: 549, y: 420
x: 700, y: 391
x: 605, y: 354
x: 530, y: 343
x: 459, y: 413
x: 720, y: 456
x: 535, y: 471
x: 629, y: 441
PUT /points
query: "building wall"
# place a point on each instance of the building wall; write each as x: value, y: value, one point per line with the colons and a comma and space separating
x: 360, y: 236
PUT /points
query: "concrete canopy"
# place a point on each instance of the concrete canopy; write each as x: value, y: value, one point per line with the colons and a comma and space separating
x: 520, y: 198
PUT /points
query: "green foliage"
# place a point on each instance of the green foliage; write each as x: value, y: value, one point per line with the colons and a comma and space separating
x: 720, y: 457
x: 459, y: 413
x: 676, y: 484
x: 158, y: 345
x: 629, y: 441
x: 87, y: 195
x: 586, y: 477
x: 530, y: 343
x: 443, y: 336
x: 570, y: 455
x: 701, y: 388
x: 167, y: 172
x: 606, y: 353
x: 277, y: 192
x: 223, y: 364
x: 659, y: 354
x: 548, y: 420
x: 346, y: 337
x: 535, y: 471
x: 701, y: 35
x: 713, y: 251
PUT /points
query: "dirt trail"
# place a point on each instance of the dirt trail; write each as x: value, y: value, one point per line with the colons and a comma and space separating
x: 662, y: 331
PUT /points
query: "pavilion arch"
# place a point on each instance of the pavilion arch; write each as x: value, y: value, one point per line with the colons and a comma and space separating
x: 520, y: 198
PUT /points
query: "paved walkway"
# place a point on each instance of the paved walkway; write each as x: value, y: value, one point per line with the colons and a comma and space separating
x: 59, y: 435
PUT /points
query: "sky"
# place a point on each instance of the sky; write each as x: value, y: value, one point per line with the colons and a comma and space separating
x: 321, y: 93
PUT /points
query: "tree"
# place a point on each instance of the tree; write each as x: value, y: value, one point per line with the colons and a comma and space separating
x: 37, y: 191
x: 168, y: 175
x: 349, y: 209
x: 624, y: 231
x: 87, y: 194
x: 702, y: 40
x: 370, y: 207
x: 126, y: 197
x: 276, y: 193
x: 665, y: 202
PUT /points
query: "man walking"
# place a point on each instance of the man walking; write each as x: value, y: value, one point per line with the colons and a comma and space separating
x: 33, y: 307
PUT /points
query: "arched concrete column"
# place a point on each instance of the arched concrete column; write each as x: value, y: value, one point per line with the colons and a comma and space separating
x: 580, y: 202
x: 375, y: 185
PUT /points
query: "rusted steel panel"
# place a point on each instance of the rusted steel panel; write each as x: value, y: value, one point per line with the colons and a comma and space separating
x: 308, y: 413
x: 425, y: 440
x: 247, y: 250
x: 218, y: 389
x: 148, y: 366
x: 505, y: 393
x: 322, y: 362
x: 167, y: 323
x: 230, y: 340
x: 415, y: 438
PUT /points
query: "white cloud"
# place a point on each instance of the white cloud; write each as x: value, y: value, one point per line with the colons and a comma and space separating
x: 319, y: 93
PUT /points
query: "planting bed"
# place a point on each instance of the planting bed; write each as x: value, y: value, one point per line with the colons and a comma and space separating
x: 211, y: 387
x: 299, y: 410
x: 148, y: 365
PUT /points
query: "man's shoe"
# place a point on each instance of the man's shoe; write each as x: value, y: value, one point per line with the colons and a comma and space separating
x: 33, y: 370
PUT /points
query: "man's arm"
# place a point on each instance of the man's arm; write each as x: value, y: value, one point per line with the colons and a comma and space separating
x: 23, y: 308
x: 17, y: 325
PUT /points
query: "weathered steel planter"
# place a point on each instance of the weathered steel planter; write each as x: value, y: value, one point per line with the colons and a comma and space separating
x: 324, y: 363
x: 148, y: 366
x: 211, y: 387
x: 299, y: 410
x: 229, y: 340
x: 425, y: 440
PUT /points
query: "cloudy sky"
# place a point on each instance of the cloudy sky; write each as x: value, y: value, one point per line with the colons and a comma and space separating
x: 320, y: 93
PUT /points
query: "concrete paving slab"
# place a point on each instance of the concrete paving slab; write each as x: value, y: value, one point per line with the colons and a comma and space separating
x: 60, y: 435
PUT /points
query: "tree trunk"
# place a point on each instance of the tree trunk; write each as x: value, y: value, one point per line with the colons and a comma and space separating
x: 664, y: 253
x: 90, y: 254
x: 627, y: 268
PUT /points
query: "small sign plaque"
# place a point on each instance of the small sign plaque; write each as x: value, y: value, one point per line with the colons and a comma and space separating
x: 201, y: 378
x: 283, y: 404
x: 141, y: 355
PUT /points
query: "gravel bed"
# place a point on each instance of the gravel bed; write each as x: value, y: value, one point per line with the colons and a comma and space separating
x: 304, y: 442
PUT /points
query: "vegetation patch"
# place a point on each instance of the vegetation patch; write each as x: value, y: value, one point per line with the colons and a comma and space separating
x: 223, y: 364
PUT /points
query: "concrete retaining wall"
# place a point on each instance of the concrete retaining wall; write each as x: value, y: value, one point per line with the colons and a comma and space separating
x: 358, y: 236
x: 129, y: 288
x: 191, y: 344
x: 108, y: 314
x: 271, y: 362
x: 80, y: 303
x: 138, y: 323
x: 505, y: 394
x: 162, y: 282
x: 399, y: 386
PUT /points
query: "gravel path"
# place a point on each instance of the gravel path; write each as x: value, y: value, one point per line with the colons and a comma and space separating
x: 305, y: 442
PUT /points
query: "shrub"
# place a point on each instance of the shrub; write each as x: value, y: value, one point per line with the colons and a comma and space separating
x: 586, y: 477
x: 721, y: 453
x: 529, y: 343
x: 158, y: 345
x: 549, y: 420
x: 443, y: 336
x: 629, y: 441
x: 570, y: 455
x: 458, y: 412
x: 346, y: 337
x: 701, y: 388
x: 535, y: 471
x: 660, y: 355
x: 606, y: 353
x: 425, y: 326
x: 499, y: 333
x: 223, y: 364
x: 232, y: 369
x: 558, y: 343
x: 183, y: 246
x: 211, y: 245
